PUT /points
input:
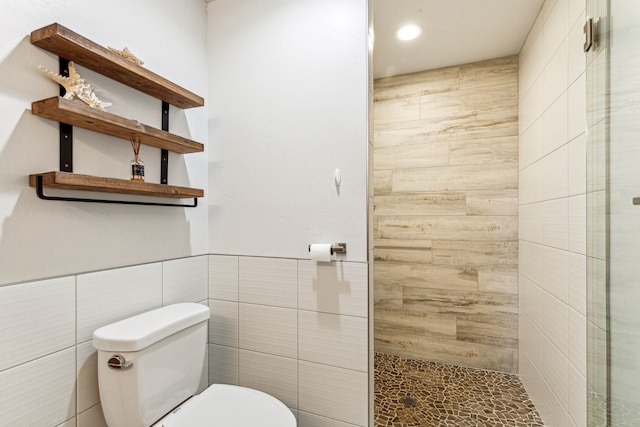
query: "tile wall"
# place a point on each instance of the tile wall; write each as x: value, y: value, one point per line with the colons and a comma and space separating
x: 552, y: 294
x: 446, y: 215
x: 48, y: 371
x: 293, y: 328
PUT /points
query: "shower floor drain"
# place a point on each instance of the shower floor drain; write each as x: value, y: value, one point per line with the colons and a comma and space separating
x: 408, y: 401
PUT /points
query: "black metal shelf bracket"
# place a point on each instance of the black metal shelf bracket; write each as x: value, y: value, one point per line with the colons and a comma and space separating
x: 66, y: 130
x: 41, y: 195
x: 164, y: 154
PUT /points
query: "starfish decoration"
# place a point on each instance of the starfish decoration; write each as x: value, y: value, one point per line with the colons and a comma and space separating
x: 126, y: 54
x: 75, y: 87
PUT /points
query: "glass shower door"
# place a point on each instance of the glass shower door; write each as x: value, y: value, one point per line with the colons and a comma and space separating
x: 613, y: 214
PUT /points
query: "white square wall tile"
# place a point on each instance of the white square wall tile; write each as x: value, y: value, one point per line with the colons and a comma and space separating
x: 578, y: 341
x: 549, y: 407
x: 68, y: 423
x: 333, y: 339
x: 578, y: 165
x: 530, y: 62
x: 530, y: 184
x: 576, y: 10
x: 556, y: 26
x: 531, y: 222
x: 554, y: 174
x: 531, y: 144
x: 223, y: 277
x: 269, y: 281
x: 554, y: 76
x: 531, y: 261
x: 548, y: 313
x: 36, y: 319
x: 185, y: 280
x: 107, y: 296
x: 578, y: 398
x: 334, y: 392
x: 532, y: 105
x: 577, y: 58
x: 551, y: 364
x: 223, y: 323
x: 578, y: 282
x: 41, y: 392
x: 526, y: 305
x: 92, y: 417
x: 306, y: 419
x: 577, y: 111
x: 578, y: 224
x: 275, y: 375
x: 337, y: 287
x: 555, y: 272
x: 554, y: 125
x: 556, y: 223
x: 87, y: 376
x: 532, y: 188
x: 223, y: 365
x: 266, y: 329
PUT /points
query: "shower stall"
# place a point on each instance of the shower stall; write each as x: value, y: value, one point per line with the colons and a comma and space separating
x: 507, y: 199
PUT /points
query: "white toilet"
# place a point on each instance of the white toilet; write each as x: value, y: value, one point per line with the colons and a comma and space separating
x: 150, y: 366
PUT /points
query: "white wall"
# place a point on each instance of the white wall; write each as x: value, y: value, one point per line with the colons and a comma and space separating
x: 41, y: 239
x: 552, y: 321
x: 287, y: 106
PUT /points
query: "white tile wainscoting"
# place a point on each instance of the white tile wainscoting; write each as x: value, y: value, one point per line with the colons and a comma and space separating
x: 48, y: 373
x: 296, y: 329
x: 292, y: 328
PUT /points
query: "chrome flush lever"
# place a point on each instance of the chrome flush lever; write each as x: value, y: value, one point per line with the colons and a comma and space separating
x: 118, y: 362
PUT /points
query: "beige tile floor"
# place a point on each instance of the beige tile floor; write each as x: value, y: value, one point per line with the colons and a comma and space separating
x: 412, y: 393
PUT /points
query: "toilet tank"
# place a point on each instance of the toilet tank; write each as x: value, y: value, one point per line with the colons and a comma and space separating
x: 163, y: 355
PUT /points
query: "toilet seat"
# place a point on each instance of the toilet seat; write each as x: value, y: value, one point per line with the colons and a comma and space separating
x: 230, y: 406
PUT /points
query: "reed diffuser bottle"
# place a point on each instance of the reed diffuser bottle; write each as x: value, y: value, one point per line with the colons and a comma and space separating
x: 137, y: 165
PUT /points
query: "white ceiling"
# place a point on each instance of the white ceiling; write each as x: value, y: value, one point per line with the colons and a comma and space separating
x: 455, y: 32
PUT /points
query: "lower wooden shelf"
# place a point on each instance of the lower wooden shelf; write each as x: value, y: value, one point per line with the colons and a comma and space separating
x: 73, y: 181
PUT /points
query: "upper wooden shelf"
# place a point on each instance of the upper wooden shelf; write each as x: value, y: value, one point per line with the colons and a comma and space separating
x: 74, y: 181
x: 65, y: 43
x: 78, y: 114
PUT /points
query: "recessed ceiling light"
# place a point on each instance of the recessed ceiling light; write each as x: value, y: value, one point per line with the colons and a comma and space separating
x: 408, y: 32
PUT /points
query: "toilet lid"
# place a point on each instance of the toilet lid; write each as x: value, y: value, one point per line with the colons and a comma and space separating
x: 230, y: 406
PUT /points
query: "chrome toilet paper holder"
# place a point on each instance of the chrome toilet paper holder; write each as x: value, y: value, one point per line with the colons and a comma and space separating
x: 336, y: 248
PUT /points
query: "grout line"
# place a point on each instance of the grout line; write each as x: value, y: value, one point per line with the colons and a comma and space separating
x: 26, y: 362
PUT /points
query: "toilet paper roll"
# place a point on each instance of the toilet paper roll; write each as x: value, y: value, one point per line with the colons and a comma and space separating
x: 320, y: 252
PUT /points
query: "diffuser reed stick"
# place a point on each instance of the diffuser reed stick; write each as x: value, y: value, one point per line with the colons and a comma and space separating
x: 137, y: 165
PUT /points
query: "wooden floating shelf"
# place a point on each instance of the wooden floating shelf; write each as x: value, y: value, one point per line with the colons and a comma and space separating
x: 78, y: 114
x: 72, y: 181
x: 69, y: 45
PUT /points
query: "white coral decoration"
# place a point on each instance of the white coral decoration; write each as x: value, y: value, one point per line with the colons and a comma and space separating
x: 126, y: 54
x: 75, y: 87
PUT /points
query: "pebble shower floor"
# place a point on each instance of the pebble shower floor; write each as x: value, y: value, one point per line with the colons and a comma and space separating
x: 415, y: 393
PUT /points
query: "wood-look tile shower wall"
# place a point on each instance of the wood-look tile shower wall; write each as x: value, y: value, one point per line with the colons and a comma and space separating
x: 446, y: 215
